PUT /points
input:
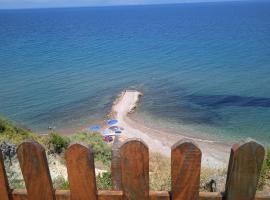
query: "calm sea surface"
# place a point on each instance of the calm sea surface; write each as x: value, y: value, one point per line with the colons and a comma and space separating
x: 203, y: 68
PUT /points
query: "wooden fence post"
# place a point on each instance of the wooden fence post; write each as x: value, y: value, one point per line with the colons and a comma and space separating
x: 185, y: 170
x: 116, y: 165
x: 243, y: 171
x: 135, y: 170
x: 81, y: 172
x: 35, y: 170
x: 4, y: 186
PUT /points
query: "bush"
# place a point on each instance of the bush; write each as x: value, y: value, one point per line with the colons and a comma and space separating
x: 104, y: 181
x: 58, y: 143
x: 264, y: 175
x: 60, y: 183
x: 102, y: 151
x: 15, y: 135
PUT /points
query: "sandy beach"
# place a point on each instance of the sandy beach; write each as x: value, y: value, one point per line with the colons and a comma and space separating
x: 215, y: 154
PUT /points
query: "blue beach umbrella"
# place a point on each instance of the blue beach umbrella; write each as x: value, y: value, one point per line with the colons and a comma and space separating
x: 95, y: 127
x: 111, y: 122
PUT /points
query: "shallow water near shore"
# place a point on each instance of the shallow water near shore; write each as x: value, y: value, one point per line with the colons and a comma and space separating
x: 203, y: 68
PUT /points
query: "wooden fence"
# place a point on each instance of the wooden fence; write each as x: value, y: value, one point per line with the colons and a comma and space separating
x: 130, y: 174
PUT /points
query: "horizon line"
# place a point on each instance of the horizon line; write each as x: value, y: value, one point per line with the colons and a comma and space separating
x: 128, y: 5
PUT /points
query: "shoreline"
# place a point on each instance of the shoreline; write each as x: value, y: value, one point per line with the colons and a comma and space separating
x: 215, y: 154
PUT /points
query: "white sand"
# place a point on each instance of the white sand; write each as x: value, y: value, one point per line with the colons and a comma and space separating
x: 214, y: 154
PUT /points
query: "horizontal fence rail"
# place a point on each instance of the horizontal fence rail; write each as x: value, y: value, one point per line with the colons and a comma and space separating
x: 130, y: 174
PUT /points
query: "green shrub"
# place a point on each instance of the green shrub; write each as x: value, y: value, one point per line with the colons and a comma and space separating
x: 104, y: 181
x: 264, y: 176
x: 58, y: 143
x: 267, y: 160
x: 60, y: 183
x: 102, y: 151
x: 15, y: 135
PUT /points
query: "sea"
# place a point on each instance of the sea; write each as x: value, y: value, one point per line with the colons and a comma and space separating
x: 204, y: 68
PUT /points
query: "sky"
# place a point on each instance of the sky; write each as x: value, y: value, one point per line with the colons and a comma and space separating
x: 14, y: 4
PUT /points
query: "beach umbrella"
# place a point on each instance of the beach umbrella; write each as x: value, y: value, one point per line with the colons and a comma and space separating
x: 114, y: 128
x: 95, y: 127
x: 111, y: 122
x: 107, y: 132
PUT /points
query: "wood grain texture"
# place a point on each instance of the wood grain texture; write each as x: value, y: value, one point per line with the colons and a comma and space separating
x: 262, y: 195
x: 135, y: 170
x: 159, y: 195
x: 20, y: 194
x: 81, y: 172
x: 116, y: 166
x: 4, y: 186
x: 210, y: 196
x: 110, y: 195
x: 243, y: 171
x: 185, y: 170
x: 62, y: 195
x: 35, y: 171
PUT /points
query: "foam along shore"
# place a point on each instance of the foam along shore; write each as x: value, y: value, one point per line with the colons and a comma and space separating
x: 214, y: 154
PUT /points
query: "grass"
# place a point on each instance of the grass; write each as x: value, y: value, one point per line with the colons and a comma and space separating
x: 104, y: 181
x: 159, y: 165
x: 60, y: 183
x: 15, y: 135
x: 208, y: 174
x: 102, y: 150
x: 58, y: 143
x: 160, y: 172
x: 265, y: 171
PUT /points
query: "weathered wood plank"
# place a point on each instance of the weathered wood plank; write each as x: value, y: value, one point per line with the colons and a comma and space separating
x: 159, y: 195
x: 110, y: 195
x: 81, y: 172
x: 185, y: 170
x: 115, y: 165
x: 134, y: 158
x: 243, y: 171
x: 262, y: 195
x: 20, y: 194
x: 135, y: 169
x: 210, y: 196
x: 4, y: 186
x: 35, y: 171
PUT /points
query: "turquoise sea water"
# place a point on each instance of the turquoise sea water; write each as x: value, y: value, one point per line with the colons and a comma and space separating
x: 202, y: 67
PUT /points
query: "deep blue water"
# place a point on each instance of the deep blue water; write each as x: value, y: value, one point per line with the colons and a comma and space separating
x: 203, y: 67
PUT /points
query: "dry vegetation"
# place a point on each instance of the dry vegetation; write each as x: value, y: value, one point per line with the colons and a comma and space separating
x: 159, y: 165
x: 160, y: 172
x: 160, y: 175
